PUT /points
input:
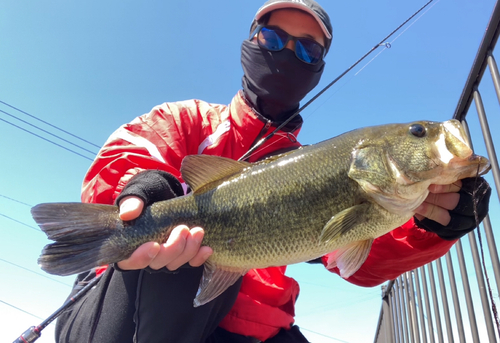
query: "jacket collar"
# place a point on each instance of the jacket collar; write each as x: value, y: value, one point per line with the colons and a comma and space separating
x: 294, y: 125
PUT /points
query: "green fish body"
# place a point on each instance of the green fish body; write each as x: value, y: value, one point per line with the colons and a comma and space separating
x: 337, y: 195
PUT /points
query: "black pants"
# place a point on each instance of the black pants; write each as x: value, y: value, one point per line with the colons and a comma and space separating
x: 138, y: 306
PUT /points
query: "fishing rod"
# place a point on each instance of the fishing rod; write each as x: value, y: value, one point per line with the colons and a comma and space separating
x: 383, y: 42
x: 34, y: 332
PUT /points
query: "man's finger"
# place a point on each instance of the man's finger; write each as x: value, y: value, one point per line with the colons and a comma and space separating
x: 172, y: 249
x: 193, y: 242
x: 141, y: 257
x: 447, y: 201
x: 433, y: 212
x: 130, y: 208
x: 201, y: 257
x: 451, y: 188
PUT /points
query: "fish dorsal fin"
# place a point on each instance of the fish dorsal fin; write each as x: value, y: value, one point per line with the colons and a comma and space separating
x: 350, y: 258
x: 203, y: 172
x: 214, y: 282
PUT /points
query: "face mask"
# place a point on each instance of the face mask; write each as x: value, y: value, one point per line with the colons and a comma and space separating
x: 276, y: 81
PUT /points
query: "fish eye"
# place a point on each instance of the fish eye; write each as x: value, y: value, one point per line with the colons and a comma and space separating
x: 418, y: 130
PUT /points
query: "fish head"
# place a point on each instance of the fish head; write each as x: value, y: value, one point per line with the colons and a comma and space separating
x: 395, y: 164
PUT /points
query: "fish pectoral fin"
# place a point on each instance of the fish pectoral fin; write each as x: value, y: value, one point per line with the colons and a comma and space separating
x: 204, y: 171
x: 350, y: 258
x: 214, y: 282
x: 343, y: 222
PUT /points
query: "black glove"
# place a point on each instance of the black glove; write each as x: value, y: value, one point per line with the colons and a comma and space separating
x: 463, y: 219
x: 284, y: 336
x: 152, y: 186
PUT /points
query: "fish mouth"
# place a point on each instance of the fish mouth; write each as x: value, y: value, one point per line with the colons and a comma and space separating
x: 481, y: 164
x: 457, y: 145
x: 454, y: 154
x: 456, y: 139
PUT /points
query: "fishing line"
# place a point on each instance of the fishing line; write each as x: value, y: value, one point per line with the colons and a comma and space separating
x: 388, y: 45
x: 406, y: 29
x: 381, y: 43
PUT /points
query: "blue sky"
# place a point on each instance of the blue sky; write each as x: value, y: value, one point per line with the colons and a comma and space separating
x: 89, y: 67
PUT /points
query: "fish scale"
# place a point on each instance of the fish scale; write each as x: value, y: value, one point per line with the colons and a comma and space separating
x: 334, y: 196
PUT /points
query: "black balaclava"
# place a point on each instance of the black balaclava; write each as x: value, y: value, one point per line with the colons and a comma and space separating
x: 274, y: 82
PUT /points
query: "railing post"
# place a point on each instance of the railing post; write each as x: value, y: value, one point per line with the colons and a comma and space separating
x: 439, y: 326
x: 454, y: 296
x: 404, y: 318
x: 413, y: 309
x: 427, y: 305
x: 444, y: 300
x: 420, y: 307
x: 467, y: 292
x: 387, y: 314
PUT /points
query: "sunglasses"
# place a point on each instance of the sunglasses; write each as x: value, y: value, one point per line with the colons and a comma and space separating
x: 275, y: 39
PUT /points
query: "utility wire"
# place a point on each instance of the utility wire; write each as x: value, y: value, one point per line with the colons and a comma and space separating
x: 55, y: 127
x: 321, y: 334
x: 17, y: 221
x: 47, y: 132
x: 34, y: 272
x: 19, y: 309
x: 45, y: 139
x: 20, y: 202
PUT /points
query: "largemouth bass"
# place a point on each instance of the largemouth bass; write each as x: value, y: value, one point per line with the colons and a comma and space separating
x: 337, y: 195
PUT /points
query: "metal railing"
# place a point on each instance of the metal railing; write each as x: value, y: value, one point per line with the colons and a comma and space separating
x: 415, y: 306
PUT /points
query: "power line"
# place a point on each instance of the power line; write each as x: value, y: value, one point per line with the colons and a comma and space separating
x: 47, y: 132
x: 55, y: 127
x: 321, y: 334
x: 19, y: 309
x: 34, y: 272
x: 19, y: 222
x: 18, y: 201
x: 45, y: 139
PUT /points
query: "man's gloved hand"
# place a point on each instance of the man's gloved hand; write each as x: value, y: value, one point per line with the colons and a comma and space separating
x: 463, y: 218
x: 183, y: 245
x: 152, y: 186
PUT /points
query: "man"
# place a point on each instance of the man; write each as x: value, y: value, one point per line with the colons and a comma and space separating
x: 148, y: 297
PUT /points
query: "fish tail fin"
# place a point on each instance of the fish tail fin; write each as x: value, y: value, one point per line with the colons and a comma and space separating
x: 81, y: 233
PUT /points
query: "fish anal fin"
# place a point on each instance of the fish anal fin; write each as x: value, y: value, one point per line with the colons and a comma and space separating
x: 214, y: 282
x: 204, y: 172
x: 350, y: 258
x: 343, y: 222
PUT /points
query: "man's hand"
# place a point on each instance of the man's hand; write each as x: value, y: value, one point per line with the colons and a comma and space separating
x: 440, y: 200
x: 183, y: 244
x: 449, y: 210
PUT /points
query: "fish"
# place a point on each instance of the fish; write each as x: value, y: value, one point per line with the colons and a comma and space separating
x: 335, y: 196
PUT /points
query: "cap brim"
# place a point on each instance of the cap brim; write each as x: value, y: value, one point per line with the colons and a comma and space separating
x: 297, y: 5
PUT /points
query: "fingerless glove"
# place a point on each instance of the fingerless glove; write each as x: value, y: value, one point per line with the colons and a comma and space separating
x: 463, y: 219
x: 152, y: 186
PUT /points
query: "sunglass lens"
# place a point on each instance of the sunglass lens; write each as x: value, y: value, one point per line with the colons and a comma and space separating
x: 272, y: 39
x: 308, y: 51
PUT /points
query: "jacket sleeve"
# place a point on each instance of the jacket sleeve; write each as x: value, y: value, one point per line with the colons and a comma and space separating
x: 157, y: 140
x: 401, y: 250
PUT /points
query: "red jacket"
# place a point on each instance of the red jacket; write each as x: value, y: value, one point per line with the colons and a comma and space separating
x: 161, y: 139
